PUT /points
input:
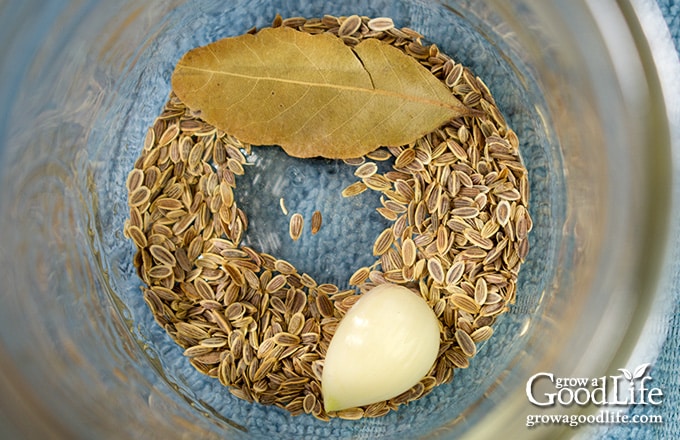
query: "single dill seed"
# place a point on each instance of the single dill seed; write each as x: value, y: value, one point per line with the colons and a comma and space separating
x: 295, y: 226
x: 316, y: 222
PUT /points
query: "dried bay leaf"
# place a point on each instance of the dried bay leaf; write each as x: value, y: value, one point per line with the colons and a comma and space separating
x: 312, y: 94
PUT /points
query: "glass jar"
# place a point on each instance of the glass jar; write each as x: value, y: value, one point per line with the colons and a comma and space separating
x: 80, y: 354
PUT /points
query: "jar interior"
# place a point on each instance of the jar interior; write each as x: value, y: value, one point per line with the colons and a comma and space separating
x: 78, y: 125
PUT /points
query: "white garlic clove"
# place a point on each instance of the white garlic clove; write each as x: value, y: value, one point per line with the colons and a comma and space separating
x: 383, y: 346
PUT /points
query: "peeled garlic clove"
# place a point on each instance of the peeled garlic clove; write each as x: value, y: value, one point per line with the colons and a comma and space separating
x: 383, y: 346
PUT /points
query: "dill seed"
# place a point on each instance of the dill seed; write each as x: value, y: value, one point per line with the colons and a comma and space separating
x: 354, y: 189
x: 316, y: 222
x: 457, y: 200
x: 295, y: 226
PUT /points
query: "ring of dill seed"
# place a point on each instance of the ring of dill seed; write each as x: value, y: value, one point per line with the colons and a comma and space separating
x: 457, y: 200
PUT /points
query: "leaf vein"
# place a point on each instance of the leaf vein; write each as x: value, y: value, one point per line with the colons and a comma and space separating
x: 371, y: 91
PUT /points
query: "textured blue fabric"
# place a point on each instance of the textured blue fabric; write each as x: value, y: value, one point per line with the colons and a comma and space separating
x: 671, y: 13
x: 664, y: 368
x: 345, y: 240
x: 212, y: 395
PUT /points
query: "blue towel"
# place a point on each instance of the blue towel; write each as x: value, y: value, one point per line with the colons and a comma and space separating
x: 671, y: 13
